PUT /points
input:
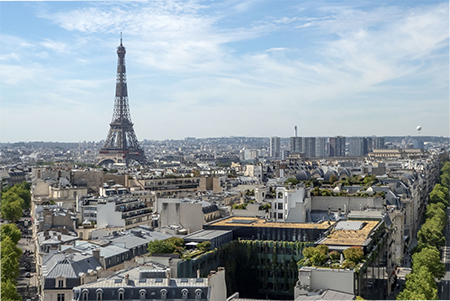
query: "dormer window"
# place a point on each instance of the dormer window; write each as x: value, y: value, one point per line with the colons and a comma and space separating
x: 184, y: 293
x: 121, y: 294
x: 99, y: 294
x: 84, y: 295
x: 163, y: 294
x: 198, y: 294
x: 142, y: 293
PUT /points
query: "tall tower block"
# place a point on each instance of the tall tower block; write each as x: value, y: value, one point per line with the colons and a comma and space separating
x: 121, y: 145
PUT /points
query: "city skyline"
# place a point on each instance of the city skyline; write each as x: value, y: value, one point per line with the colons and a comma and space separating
x: 215, y: 69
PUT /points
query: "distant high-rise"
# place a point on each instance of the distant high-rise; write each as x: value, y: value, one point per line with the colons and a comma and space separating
x: 309, y: 146
x: 275, y: 147
x: 320, y: 146
x: 358, y: 146
x: 336, y: 146
x: 296, y: 145
x: 121, y: 144
x: 378, y: 143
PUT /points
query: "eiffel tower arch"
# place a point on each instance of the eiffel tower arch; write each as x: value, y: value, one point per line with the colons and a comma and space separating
x: 121, y: 145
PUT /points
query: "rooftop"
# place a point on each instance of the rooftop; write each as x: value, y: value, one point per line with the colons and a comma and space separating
x: 353, y: 233
x: 256, y: 222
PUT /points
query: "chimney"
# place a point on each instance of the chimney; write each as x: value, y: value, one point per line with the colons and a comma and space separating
x: 198, y: 273
x: 126, y: 279
x: 96, y: 254
x: 59, y: 237
x: 295, y: 131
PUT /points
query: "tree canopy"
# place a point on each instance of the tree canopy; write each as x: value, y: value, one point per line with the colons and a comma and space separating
x: 11, y: 231
x: 354, y: 254
x: 9, y: 291
x: 430, y: 258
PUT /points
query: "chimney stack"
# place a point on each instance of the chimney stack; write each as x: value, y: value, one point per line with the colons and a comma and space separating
x: 96, y: 254
x: 198, y: 273
x: 127, y: 276
x: 295, y: 131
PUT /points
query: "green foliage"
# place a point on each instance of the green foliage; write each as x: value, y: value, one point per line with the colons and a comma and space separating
x: 240, y: 206
x: 309, y: 252
x: 431, y: 233
x: 360, y: 298
x: 323, y: 248
x: 420, y: 283
x: 11, y: 231
x: 176, y: 241
x: 9, y: 291
x: 11, y: 211
x: 265, y: 207
x: 335, y: 255
x: 10, y: 255
x: 430, y: 258
x: 204, y: 246
x: 333, y: 179
x: 353, y: 254
x: 23, y: 193
x: 291, y: 180
x: 161, y: 247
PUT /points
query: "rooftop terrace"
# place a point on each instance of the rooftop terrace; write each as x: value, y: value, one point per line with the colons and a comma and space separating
x: 257, y: 222
x: 353, y: 233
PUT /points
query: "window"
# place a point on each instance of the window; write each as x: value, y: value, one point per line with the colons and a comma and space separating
x: 85, y: 295
x: 280, y: 215
x: 142, y: 293
x: 121, y: 296
x: 184, y: 293
x: 99, y: 294
x: 60, y: 283
x: 280, y: 206
x: 60, y: 297
x: 280, y: 195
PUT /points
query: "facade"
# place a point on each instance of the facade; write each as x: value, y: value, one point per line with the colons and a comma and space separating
x: 296, y: 145
x: 154, y: 282
x: 336, y: 146
x: 378, y: 143
x: 275, y: 149
x: 358, y: 147
x: 309, y: 146
x: 122, y: 212
x: 321, y: 143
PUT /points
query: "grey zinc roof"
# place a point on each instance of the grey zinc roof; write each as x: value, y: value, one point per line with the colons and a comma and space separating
x: 206, y: 234
x: 69, y: 265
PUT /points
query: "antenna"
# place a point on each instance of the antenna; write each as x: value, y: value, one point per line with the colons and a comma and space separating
x: 295, y: 130
x: 120, y: 38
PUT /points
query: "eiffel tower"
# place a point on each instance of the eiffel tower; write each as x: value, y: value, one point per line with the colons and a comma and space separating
x: 121, y: 145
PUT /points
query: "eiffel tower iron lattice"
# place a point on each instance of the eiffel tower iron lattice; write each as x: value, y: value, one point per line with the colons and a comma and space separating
x: 121, y: 145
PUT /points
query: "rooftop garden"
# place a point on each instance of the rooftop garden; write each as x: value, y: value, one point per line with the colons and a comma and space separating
x: 176, y: 245
x: 321, y: 257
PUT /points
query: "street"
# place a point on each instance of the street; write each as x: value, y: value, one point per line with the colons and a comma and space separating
x: 26, y: 286
x: 444, y: 284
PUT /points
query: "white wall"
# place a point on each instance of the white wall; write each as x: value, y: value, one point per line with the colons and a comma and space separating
x: 107, y: 215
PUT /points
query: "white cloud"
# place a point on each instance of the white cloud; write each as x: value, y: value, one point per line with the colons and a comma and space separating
x: 55, y: 46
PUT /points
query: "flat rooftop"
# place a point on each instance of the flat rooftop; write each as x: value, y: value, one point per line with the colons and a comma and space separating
x: 206, y: 234
x: 257, y: 222
x: 353, y: 233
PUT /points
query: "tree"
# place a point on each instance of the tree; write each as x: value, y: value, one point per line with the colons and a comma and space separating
x: 160, y: 247
x: 11, y: 196
x: 11, y: 211
x: 24, y: 194
x: 334, y: 255
x: 332, y: 179
x: 292, y: 181
x: 308, y: 252
x: 11, y: 231
x: 431, y: 233
x: 176, y: 241
x: 420, y: 283
x: 430, y: 258
x: 323, y: 248
x: 10, y: 255
x: 9, y: 291
x: 354, y: 254
x: 318, y: 257
x: 204, y: 246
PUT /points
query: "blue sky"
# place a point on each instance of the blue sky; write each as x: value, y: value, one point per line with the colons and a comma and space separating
x: 225, y: 68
